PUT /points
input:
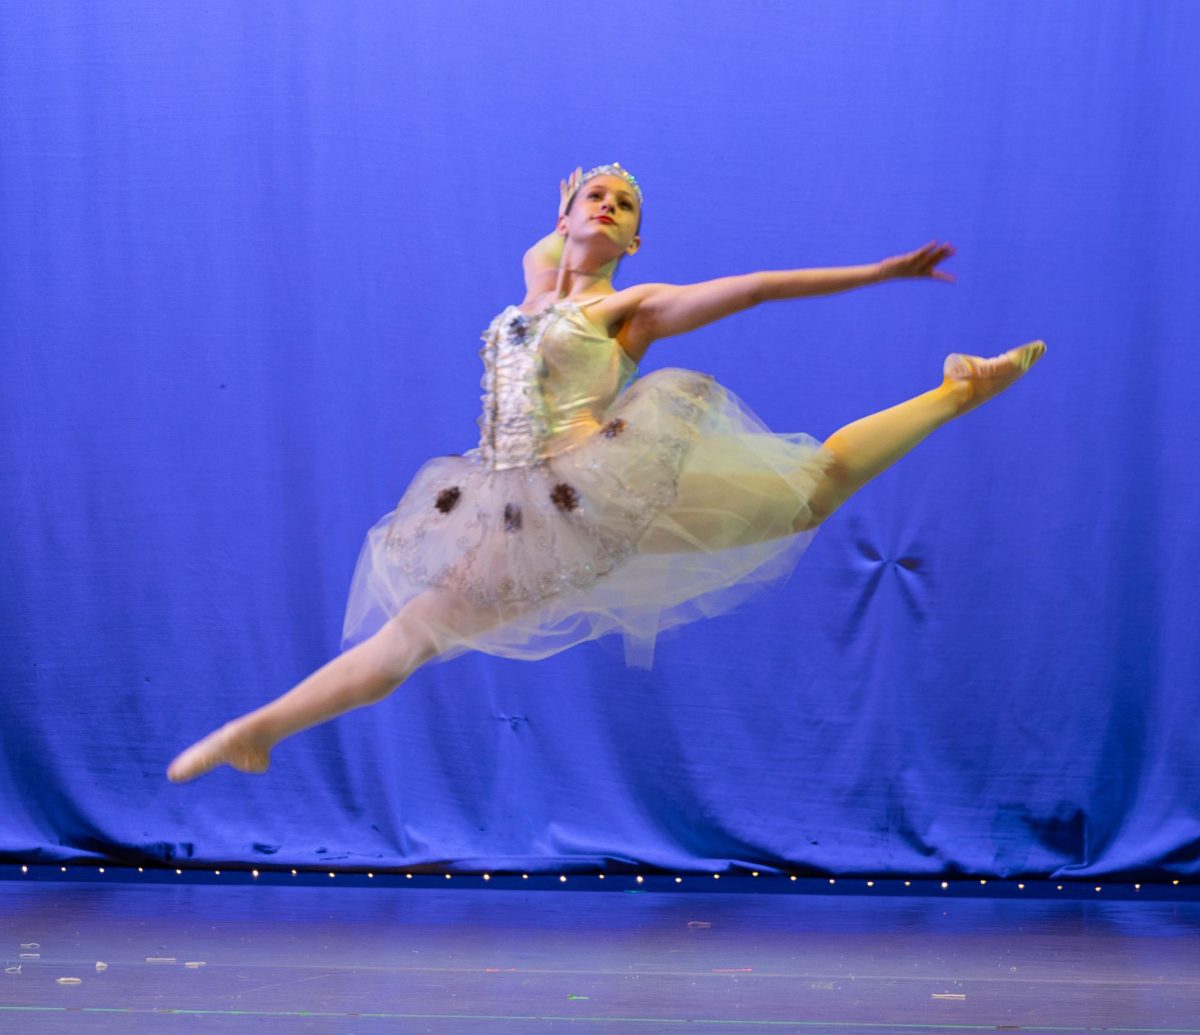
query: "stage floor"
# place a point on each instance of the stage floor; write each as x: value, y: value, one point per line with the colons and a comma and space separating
x: 127, y: 957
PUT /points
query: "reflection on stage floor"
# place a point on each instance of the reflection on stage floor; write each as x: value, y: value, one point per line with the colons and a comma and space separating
x: 466, y: 955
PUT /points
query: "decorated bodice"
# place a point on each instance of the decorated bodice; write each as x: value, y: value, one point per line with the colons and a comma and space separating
x: 547, y: 381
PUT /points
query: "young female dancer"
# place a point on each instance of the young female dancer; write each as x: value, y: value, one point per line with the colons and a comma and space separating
x: 593, y: 504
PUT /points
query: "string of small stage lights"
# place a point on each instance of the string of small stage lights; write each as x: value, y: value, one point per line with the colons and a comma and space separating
x: 754, y: 880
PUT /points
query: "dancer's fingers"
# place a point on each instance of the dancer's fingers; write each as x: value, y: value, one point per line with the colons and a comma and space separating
x: 568, y: 187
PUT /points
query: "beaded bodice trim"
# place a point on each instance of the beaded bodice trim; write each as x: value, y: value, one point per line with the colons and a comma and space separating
x: 513, y: 421
x: 516, y: 421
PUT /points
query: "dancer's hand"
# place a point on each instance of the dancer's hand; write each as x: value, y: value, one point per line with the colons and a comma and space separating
x: 568, y: 187
x: 921, y: 263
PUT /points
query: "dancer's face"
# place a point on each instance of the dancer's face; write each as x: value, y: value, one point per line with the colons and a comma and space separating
x: 605, y: 209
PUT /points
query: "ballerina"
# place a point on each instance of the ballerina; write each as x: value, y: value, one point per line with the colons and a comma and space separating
x: 598, y: 502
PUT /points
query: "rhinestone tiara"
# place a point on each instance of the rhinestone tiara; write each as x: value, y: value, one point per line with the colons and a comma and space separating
x: 614, y: 170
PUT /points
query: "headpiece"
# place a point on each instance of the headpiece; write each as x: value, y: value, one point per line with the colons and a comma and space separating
x: 613, y: 170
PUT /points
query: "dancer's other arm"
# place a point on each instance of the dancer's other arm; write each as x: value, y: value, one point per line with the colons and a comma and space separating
x: 663, y: 310
x: 541, y: 262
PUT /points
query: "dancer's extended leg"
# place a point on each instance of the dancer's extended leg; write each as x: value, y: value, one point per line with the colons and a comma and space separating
x: 715, y: 511
x: 869, y: 446
x: 427, y: 626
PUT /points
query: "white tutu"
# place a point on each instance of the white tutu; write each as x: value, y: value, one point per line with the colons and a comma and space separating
x: 587, y: 509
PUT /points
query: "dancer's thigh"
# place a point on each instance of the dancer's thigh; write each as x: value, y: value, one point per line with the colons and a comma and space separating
x: 716, y: 511
x: 441, y: 619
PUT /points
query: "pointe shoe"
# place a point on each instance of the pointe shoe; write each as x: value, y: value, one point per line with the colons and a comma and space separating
x: 220, y: 747
x: 989, y: 377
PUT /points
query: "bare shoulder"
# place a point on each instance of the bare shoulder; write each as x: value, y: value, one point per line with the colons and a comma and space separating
x: 617, y: 313
x: 614, y: 309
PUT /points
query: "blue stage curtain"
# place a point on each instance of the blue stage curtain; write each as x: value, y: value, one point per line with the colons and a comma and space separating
x: 248, y: 250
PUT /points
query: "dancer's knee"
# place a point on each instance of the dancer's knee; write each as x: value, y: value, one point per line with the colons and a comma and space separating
x: 832, y: 490
x: 376, y: 690
x: 812, y: 516
x: 440, y: 620
x: 395, y: 651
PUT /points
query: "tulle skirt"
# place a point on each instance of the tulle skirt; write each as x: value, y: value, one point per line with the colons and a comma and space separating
x: 678, y: 505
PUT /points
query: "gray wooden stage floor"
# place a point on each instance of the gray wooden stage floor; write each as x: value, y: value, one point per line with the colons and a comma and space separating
x: 470, y: 956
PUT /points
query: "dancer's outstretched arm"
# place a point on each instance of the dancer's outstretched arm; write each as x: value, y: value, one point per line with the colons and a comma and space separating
x: 662, y: 310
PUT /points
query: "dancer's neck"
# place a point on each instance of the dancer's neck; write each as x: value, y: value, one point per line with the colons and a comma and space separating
x: 572, y: 282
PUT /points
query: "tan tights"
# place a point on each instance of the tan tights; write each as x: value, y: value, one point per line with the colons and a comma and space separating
x: 370, y: 671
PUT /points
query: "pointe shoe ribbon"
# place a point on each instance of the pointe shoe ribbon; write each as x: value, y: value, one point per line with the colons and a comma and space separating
x: 963, y: 368
x: 987, y: 378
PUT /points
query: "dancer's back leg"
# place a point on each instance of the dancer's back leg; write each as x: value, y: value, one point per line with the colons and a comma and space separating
x: 425, y: 627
